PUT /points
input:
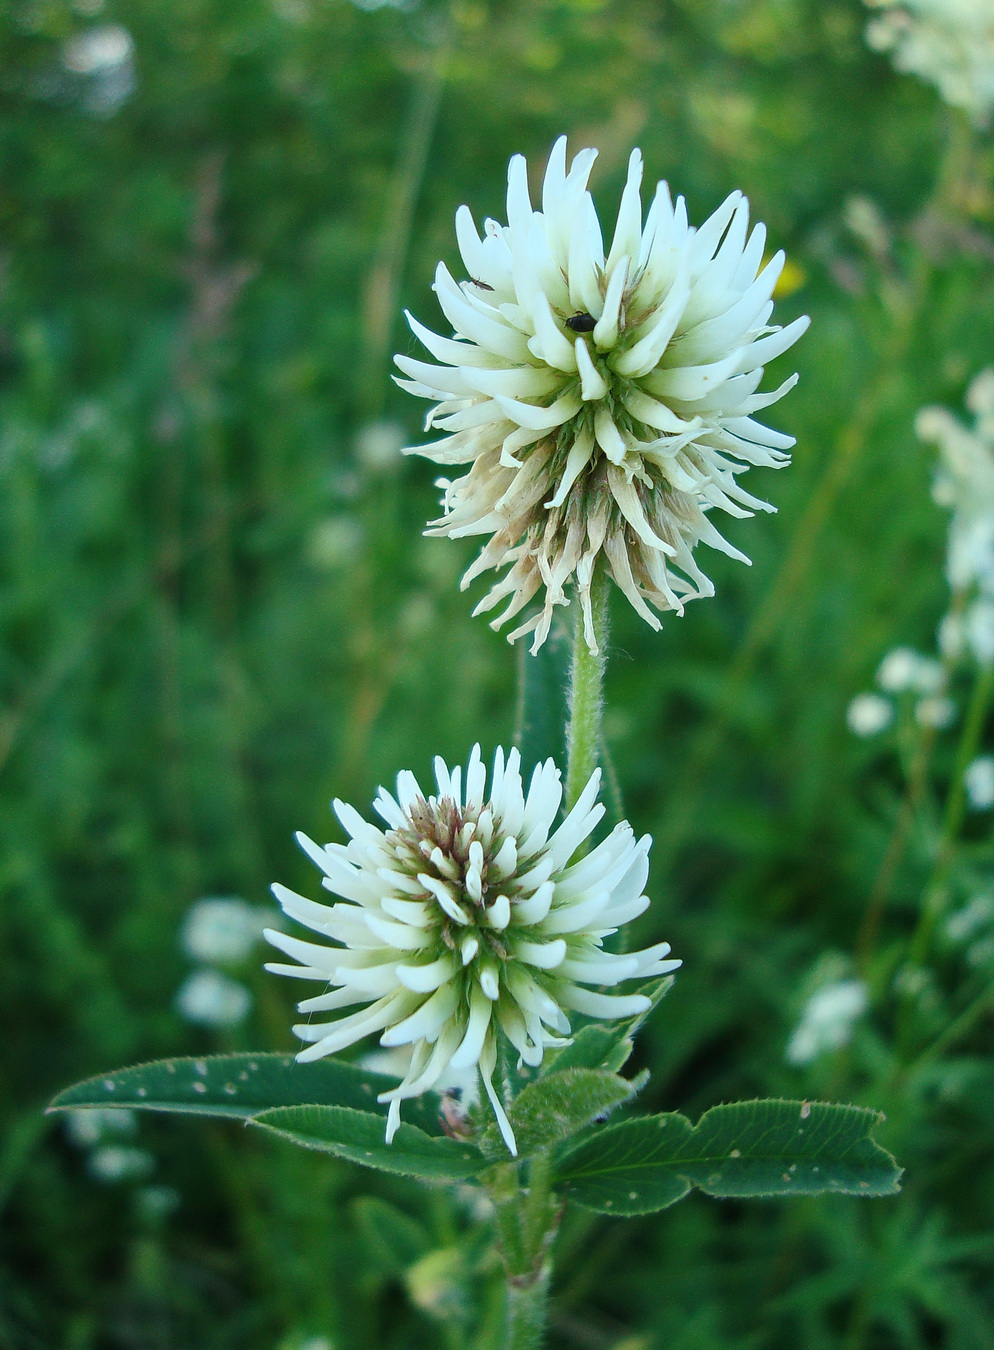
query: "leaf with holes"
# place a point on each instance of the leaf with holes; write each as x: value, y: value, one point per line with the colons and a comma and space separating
x: 241, y: 1086
x: 758, y: 1148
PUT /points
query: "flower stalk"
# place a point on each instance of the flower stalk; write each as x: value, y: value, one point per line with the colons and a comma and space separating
x: 586, y: 694
x: 935, y: 892
x: 527, y: 1221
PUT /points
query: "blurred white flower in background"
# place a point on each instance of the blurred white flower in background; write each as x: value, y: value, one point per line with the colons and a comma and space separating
x: 93, y: 1125
x: 904, y: 669
x: 467, y: 919
x: 970, y: 633
x: 102, y: 1132
x: 869, y: 714
x: 335, y: 542
x: 948, y: 43
x: 211, y: 999
x: 603, y: 397
x: 156, y: 1203
x: 98, y: 49
x: 935, y: 712
x: 102, y: 57
x: 827, y: 1021
x: 222, y: 929
x: 979, y: 783
x: 378, y: 446
x: 966, y: 923
x: 119, y: 1162
x: 964, y: 483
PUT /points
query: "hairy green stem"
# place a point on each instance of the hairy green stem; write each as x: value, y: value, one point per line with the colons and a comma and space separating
x: 586, y: 694
x: 527, y: 1309
x: 527, y: 1218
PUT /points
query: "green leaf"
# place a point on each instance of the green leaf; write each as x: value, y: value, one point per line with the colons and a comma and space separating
x: 594, y: 1047
x: 358, y: 1136
x: 790, y: 1148
x: 758, y: 1148
x: 608, y: 1047
x: 394, y: 1240
x: 555, y: 1107
x: 628, y: 1168
x: 241, y: 1086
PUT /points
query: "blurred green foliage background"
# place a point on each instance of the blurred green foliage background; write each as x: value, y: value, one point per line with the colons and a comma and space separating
x: 218, y: 611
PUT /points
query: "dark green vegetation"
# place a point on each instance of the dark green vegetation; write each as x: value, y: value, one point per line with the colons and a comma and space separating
x: 216, y: 614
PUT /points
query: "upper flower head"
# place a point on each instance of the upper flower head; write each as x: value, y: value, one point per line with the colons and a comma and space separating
x: 604, y: 400
x: 465, y: 918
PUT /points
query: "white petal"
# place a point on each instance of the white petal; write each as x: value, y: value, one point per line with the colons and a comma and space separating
x: 488, y: 1062
x: 536, y: 907
x: 425, y: 979
x: 604, y: 1005
x: 767, y: 348
x: 605, y: 332
x: 646, y: 352
x: 578, y: 824
x: 542, y: 955
x: 576, y: 461
x: 592, y: 383
x: 628, y: 231
x: 425, y: 1022
x: 477, y: 1026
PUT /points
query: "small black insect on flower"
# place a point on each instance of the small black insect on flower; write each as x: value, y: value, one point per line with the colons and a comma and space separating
x: 582, y: 323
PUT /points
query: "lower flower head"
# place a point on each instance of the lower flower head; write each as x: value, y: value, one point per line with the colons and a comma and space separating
x: 466, y: 919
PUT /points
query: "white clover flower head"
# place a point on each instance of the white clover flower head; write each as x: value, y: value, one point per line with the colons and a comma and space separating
x: 378, y: 446
x: 602, y: 397
x: 974, y: 918
x: 102, y: 60
x: 828, y: 1020
x: 951, y: 637
x: 869, y: 714
x: 978, y: 780
x: 210, y: 999
x: 903, y: 668
x: 119, y: 1162
x: 466, y: 918
x: 93, y: 1125
x: 935, y: 711
x: 221, y: 928
x: 98, y: 49
x: 964, y: 483
x: 948, y: 43
x: 978, y: 630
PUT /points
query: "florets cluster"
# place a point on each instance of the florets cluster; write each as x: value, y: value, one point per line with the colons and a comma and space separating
x: 948, y: 43
x: 964, y: 484
x: 604, y: 399
x: 468, y: 917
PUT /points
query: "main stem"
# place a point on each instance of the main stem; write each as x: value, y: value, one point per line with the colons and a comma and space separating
x: 527, y: 1310
x: 527, y: 1219
x: 586, y: 693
